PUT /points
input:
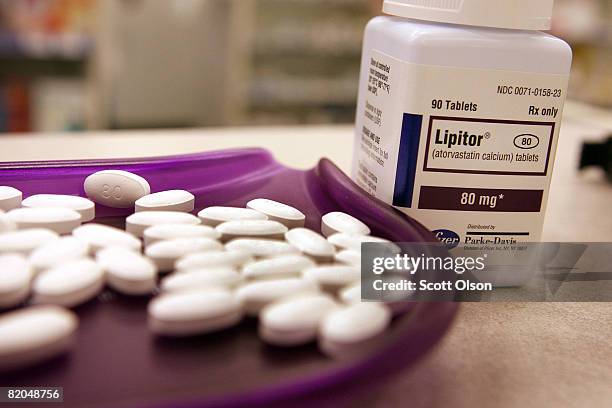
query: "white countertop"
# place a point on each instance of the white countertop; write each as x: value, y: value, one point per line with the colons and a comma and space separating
x: 497, y: 355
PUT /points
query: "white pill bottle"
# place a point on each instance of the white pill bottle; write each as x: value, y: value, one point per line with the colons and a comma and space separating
x: 458, y: 116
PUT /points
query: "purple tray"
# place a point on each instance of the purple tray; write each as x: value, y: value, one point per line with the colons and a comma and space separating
x: 117, y: 362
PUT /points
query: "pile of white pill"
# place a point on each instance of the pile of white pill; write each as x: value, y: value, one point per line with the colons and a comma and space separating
x: 206, y: 272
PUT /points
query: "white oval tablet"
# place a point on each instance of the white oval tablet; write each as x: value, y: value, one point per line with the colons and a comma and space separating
x: 261, y: 247
x: 25, y: 241
x: 351, y: 294
x: 295, y: 320
x: 10, y: 198
x: 173, y: 231
x: 256, y: 295
x: 166, y: 253
x: 348, y: 257
x: 57, y: 252
x: 69, y: 284
x: 352, y: 241
x: 6, y: 224
x: 251, y: 229
x: 311, y: 243
x: 213, y: 259
x: 333, y: 277
x: 137, y: 223
x: 283, y: 213
x: 81, y: 205
x: 285, y: 266
x: 196, y: 278
x: 15, y: 278
x: 100, y: 236
x: 214, y: 216
x: 60, y: 220
x: 194, y: 312
x: 127, y: 271
x: 334, y: 222
x: 116, y: 188
x: 33, y: 335
x: 347, y: 330
x: 170, y: 200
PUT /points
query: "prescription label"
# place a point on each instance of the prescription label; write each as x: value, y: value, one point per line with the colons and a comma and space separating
x: 467, y: 152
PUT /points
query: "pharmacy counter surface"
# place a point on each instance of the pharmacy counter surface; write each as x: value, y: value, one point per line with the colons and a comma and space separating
x: 497, y: 354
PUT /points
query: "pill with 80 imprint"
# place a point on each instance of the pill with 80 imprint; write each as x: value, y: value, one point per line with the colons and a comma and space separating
x: 116, y: 188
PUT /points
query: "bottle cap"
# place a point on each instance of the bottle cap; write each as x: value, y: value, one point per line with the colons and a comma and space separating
x: 513, y: 14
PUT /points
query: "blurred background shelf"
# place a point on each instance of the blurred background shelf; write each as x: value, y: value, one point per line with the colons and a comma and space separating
x: 44, y: 51
x: 305, y: 63
x: 587, y: 26
x: 124, y: 64
x: 38, y: 46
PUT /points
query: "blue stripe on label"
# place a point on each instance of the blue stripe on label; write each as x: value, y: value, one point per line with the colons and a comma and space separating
x: 407, y: 160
